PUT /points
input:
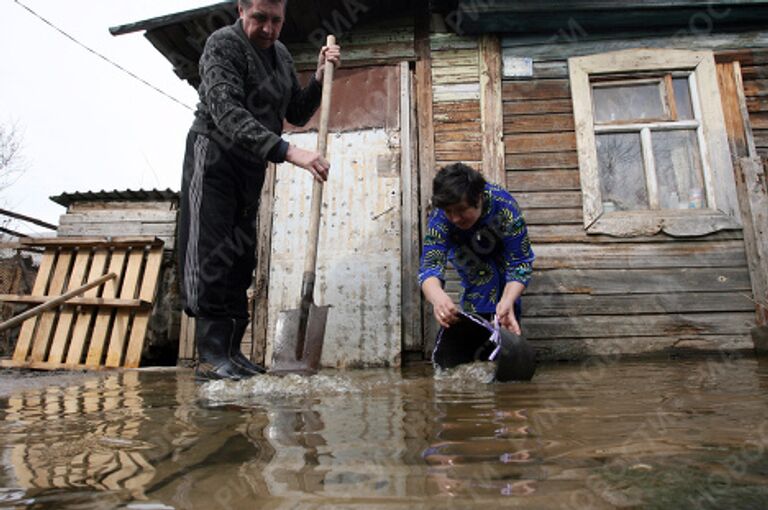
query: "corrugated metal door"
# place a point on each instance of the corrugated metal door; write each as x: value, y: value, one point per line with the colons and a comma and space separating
x: 359, y: 256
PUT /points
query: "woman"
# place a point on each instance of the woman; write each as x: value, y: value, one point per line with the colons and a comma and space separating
x: 478, y: 228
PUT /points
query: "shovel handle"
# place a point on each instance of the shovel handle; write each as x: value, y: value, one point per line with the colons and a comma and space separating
x: 317, y: 187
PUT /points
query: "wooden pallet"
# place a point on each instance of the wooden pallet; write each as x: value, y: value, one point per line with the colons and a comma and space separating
x: 107, y: 326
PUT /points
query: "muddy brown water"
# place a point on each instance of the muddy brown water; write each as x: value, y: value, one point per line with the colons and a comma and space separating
x: 605, y: 434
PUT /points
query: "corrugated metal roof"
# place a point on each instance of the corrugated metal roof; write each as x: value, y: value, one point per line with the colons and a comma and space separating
x: 67, y: 199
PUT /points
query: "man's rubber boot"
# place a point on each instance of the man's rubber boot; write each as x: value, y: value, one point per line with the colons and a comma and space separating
x: 213, y: 338
x: 236, y: 355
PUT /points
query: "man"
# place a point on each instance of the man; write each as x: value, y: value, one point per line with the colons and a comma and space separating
x: 478, y: 228
x: 248, y: 87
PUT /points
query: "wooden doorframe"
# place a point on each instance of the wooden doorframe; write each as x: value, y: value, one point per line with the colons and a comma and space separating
x: 426, y: 149
x: 411, y: 301
x: 412, y: 335
x: 260, y: 310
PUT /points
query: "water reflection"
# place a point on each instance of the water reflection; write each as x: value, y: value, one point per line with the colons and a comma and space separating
x: 482, y: 447
x: 82, y: 437
x: 597, y: 436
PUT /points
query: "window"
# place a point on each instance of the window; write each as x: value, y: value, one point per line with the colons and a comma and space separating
x: 653, y: 149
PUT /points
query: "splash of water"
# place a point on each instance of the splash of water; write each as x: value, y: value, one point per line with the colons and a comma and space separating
x: 278, y: 386
x: 467, y: 374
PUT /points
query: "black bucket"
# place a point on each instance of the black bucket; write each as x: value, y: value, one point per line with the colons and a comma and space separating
x: 473, y: 338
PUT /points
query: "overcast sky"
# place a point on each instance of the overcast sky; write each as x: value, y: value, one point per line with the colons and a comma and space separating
x: 86, y: 125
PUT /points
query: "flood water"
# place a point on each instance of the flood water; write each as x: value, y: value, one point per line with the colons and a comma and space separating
x: 606, y: 434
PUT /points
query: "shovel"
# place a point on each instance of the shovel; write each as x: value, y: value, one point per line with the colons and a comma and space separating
x: 300, y: 332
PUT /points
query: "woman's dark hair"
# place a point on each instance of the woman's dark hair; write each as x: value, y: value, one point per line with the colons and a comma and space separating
x: 455, y: 183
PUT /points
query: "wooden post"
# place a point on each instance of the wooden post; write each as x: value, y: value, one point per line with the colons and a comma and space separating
x: 426, y: 133
x: 750, y: 183
x: 755, y: 211
x: 491, y: 113
x: 260, y: 317
x: 411, y: 294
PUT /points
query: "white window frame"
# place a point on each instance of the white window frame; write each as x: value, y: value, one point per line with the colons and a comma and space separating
x: 722, y: 210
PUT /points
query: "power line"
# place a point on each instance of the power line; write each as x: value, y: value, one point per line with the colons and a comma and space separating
x: 106, y: 59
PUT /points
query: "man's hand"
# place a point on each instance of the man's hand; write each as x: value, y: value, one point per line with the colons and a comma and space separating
x: 310, y: 161
x: 331, y: 54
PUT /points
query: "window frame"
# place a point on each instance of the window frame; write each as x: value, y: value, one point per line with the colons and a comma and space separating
x: 722, y: 210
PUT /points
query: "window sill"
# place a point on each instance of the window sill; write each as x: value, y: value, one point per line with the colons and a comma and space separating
x: 682, y: 223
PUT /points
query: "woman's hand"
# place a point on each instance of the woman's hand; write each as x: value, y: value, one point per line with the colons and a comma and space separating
x: 446, y: 312
x: 505, y: 312
x: 505, y: 309
x: 331, y: 54
x: 311, y: 161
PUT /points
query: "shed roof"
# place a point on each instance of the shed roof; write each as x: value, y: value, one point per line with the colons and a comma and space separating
x: 67, y: 199
x: 181, y: 36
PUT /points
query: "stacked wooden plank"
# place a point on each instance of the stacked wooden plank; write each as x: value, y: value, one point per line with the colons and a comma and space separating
x: 106, y: 327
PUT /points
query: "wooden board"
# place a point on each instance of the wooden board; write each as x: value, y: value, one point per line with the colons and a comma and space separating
x: 701, y: 254
x: 533, y: 161
x: 39, y: 300
x: 104, y: 316
x: 187, y: 338
x: 83, y: 323
x: 577, y: 234
x: 536, y: 89
x: 122, y: 317
x: 491, y: 107
x: 108, y: 322
x: 640, y: 281
x: 542, y: 106
x: 147, y: 290
x: 67, y: 315
x: 540, y: 142
x: 675, y: 303
x: 672, y: 325
x: 41, y: 284
x: 584, y: 348
x: 543, y: 180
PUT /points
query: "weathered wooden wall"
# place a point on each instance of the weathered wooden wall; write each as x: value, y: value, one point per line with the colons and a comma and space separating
x: 121, y: 218
x: 456, y: 100
x: 385, y: 41
x: 598, y: 294
x: 754, y: 70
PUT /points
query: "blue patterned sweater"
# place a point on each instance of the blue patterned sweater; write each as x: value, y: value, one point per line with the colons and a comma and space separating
x: 495, y: 251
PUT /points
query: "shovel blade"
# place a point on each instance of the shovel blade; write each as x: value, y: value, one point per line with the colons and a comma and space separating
x: 287, y: 356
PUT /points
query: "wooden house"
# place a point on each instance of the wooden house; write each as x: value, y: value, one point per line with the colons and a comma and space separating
x: 633, y: 135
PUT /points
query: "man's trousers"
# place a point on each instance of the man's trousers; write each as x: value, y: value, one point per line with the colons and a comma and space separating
x: 217, y: 228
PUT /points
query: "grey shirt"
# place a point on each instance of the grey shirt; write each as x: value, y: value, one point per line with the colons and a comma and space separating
x: 243, y: 101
